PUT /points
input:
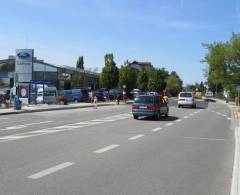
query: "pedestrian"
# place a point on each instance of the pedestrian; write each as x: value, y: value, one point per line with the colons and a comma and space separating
x: 165, y: 98
x: 95, y: 101
x: 227, y: 97
x: 117, y: 99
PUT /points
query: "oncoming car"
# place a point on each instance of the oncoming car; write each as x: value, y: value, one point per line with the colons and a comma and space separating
x: 149, y: 105
x: 186, y: 99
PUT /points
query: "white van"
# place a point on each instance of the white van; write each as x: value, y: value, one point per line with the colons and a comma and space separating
x: 50, y: 95
x: 186, y: 99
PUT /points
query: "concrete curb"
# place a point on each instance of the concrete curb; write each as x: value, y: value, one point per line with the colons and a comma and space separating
x: 235, y: 186
x: 53, y: 109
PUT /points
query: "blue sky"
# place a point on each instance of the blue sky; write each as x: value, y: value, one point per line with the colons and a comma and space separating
x: 167, y: 33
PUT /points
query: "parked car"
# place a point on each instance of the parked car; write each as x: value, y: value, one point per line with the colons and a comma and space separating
x: 114, y: 93
x: 186, y: 99
x: 49, y: 95
x: 149, y: 105
x: 100, y: 96
x: 5, y: 96
x: 75, y: 95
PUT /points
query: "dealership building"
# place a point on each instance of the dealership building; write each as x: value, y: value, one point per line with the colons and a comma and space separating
x: 24, y: 67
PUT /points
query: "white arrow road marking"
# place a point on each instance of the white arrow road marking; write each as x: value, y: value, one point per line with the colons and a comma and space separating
x: 102, y: 150
x: 136, y: 137
x: 50, y: 170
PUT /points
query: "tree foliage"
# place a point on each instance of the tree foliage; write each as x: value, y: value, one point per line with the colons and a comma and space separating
x: 142, y: 80
x: 157, y: 79
x: 110, y: 73
x: 223, y: 59
x: 127, y: 77
x: 80, y: 63
x: 174, y: 84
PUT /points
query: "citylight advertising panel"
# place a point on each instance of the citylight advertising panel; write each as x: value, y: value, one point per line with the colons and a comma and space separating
x: 24, y: 65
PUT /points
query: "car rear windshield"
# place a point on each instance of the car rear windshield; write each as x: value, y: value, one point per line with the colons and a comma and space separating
x: 144, y: 100
x: 185, y: 94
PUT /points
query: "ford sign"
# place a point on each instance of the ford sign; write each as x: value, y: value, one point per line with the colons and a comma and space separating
x: 23, y: 55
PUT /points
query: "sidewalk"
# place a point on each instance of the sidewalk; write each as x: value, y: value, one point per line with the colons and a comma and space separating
x: 45, y: 107
x: 235, y: 188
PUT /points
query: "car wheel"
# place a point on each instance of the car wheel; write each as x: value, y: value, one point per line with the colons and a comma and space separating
x: 166, y: 115
x: 135, y: 117
x: 158, y: 116
x: 179, y: 106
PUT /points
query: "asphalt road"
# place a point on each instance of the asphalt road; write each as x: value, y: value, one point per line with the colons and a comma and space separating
x: 105, y: 151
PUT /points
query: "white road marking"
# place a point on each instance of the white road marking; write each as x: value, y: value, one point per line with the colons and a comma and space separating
x: 169, y: 124
x: 25, y: 125
x: 179, y: 120
x: 50, y: 170
x: 224, y: 115
x: 136, y: 137
x: 102, y: 120
x: 67, y: 127
x: 228, y: 118
x: 107, y: 148
x: 191, y: 114
x: 185, y: 117
x: 156, y: 129
x: 205, y: 138
x: 3, y: 118
x: 13, y: 121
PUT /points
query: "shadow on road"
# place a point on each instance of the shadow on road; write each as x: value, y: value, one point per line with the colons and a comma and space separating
x: 169, y: 118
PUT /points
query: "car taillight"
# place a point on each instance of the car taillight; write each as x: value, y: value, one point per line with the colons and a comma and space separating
x: 135, y: 107
x: 152, y: 107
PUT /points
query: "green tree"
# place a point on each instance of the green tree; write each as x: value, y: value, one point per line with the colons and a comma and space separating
x: 80, y: 63
x: 142, y: 80
x: 216, y: 58
x: 157, y: 79
x: 128, y: 77
x: 110, y: 73
x: 174, y: 84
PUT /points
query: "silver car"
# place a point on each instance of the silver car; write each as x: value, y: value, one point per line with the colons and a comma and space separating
x: 186, y: 99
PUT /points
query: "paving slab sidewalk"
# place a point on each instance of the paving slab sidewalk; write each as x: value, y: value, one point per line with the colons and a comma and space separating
x: 45, y: 107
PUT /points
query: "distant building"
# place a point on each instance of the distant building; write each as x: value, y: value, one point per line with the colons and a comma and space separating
x: 139, y: 65
x: 62, y: 77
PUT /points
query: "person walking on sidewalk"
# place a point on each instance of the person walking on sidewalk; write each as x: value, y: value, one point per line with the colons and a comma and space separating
x: 95, y: 101
x: 117, y: 99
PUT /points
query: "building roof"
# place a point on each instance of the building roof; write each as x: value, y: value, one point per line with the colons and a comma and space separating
x: 139, y: 65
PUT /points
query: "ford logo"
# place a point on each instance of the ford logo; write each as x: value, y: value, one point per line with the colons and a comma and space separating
x: 23, y: 55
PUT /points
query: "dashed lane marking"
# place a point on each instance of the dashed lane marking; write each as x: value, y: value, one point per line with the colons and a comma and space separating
x: 25, y: 125
x: 179, y: 120
x: 169, y: 124
x: 3, y: 118
x: 136, y: 137
x: 185, y: 117
x: 50, y: 170
x: 156, y: 129
x: 107, y: 148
